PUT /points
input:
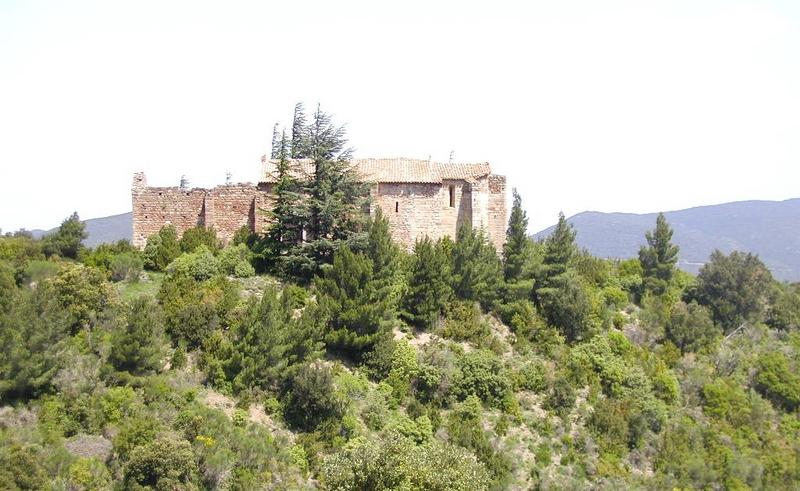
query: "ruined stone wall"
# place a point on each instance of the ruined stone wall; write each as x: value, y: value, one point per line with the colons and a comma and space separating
x: 497, y: 211
x: 226, y: 208
x: 413, y: 210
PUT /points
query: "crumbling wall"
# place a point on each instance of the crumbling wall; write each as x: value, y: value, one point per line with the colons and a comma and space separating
x: 226, y: 208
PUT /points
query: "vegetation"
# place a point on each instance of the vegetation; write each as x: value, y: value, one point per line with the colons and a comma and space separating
x: 361, y: 366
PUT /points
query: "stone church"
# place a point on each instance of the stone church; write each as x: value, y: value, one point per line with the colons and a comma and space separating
x: 418, y: 197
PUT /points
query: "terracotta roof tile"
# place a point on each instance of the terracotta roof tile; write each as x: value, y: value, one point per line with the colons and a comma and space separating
x: 398, y: 170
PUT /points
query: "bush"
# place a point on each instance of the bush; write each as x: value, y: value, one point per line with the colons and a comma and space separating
x: 161, y: 249
x: 778, y: 381
x: 126, y: 266
x: 162, y: 464
x: 235, y: 261
x: 311, y: 399
x: 481, y: 373
x: 199, y: 236
x: 463, y: 322
x: 200, y: 264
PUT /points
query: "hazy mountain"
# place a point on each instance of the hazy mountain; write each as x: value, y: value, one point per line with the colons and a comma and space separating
x: 102, y: 230
x: 770, y: 229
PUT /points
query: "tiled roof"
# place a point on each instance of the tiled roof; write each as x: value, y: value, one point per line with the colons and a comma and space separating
x: 399, y: 170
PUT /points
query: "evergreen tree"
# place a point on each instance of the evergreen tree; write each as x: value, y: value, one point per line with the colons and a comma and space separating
x: 477, y: 270
x: 429, y: 287
x: 289, y: 215
x: 335, y: 192
x: 515, y: 250
x: 733, y: 287
x: 381, y: 249
x: 559, y: 250
x: 298, y: 147
x: 357, y: 307
x: 136, y: 346
x: 275, y: 148
x: 162, y: 248
x: 194, y: 237
x: 66, y: 241
x: 560, y: 292
x: 659, y: 257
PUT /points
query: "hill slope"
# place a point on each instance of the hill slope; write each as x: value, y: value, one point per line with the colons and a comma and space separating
x: 770, y: 229
x: 102, y: 230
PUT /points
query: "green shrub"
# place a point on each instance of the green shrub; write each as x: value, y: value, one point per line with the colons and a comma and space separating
x: 126, y: 266
x: 464, y: 322
x: 481, y: 373
x: 161, y: 249
x: 311, y: 399
x: 162, y: 464
x: 235, y: 260
x: 200, y: 264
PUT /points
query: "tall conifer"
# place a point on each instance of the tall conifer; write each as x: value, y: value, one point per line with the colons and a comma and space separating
x: 659, y: 257
x: 517, y: 241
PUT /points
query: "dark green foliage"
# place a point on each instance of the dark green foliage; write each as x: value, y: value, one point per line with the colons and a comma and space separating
x: 162, y: 464
x: 66, y: 241
x: 565, y: 305
x: 311, y: 399
x: 659, y: 257
x: 515, y: 250
x: 8, y: 286
x: 269, y: 340
x: 355, y: 303
x: 690, y: 327
x: 778, y: 381
x: 32, y: 334
x: 428, y: 287
x: 136, y: 346
x: 477, y: 270
x: 161, y: 249
x: 298, y: 143
x: 560, y: 292
x: 289, y: 213
x: 733, y: 287
x: 196, y: 236
x: 381, y: 249
x: 481, y: 373
x: 463, y: 322
x: 784, y: 308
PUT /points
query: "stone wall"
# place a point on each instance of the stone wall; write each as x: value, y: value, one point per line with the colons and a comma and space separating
x: 226, y: 208
x: 413, y: 210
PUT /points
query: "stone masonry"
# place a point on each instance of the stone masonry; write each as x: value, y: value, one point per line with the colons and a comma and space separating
x: 418, y: 197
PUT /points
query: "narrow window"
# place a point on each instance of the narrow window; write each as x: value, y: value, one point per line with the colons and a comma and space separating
x: 452, y: 196
x: 396, y: 206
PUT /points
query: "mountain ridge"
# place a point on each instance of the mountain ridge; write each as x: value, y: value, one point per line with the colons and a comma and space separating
x: 767, y: 228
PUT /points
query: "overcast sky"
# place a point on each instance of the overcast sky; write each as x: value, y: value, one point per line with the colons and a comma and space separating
x: 633, y: 106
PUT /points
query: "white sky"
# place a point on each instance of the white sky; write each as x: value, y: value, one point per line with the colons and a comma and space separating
x: 633, y: 106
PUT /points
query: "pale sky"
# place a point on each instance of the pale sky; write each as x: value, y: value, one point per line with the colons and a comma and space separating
x: 633, y: 106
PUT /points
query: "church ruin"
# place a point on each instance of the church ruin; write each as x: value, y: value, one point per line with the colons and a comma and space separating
x: 418, y: 197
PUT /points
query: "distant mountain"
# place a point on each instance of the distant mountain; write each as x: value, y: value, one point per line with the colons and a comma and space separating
x: 102, y: 230
x: 770, y: 229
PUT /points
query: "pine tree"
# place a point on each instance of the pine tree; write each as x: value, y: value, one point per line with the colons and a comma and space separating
x: 659, y: 257
x: 136, y: 347
x: 477, y: 270
x: 381, y: 249
x: 298, y: 148
x: 289, y: 215
x: 559, y: 292
x: 354, y: 303
x: 336, y: 194
x: 515, y: 250
x: 429, y: 287
x: 276, y: 143
x: 559, y: 250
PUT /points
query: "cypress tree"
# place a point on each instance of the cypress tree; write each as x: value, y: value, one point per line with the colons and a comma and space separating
x: 559, y: 250
x: 276, y: 143
x: 517, y: 241
x: 659, y: 257
x: 429, y: 288
x: 136, y: 347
